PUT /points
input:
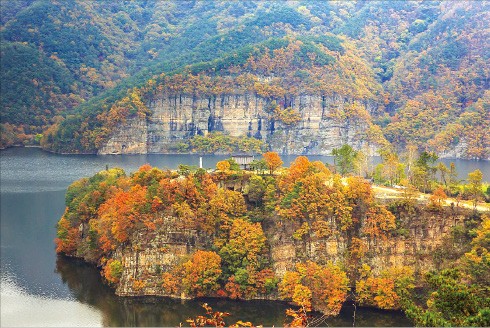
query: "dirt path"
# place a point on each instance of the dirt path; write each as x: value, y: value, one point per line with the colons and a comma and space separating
x: 394, y: 193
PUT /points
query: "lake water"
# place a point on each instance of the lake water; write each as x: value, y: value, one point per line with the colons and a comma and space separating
x: 39, y: 288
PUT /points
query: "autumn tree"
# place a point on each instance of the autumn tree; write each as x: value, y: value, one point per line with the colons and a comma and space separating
x: 273, y: 161
x: 297, y: 170
x: 76, y: 233
x: 215, y: 213
x: 361, y: 164
x: 245, y: 247
x: 386, y: 290
x: 477, y: 261
x: 424, y: 171
x: 120, y: 215
x: 228, y: 202
x: 359, y: 191
x: 392, y: 169
x: 211, y: 319
x: 244, y: 257
x: 289, y: 116
x: 360, y: 198
x: 223, y: 166
x: 112, y: 271
x: 443, y: 171
x: 148, y: 176
x: 344, y: 159
x: 312, y: 200
x: 378, y: 223
x: 201, y: 274
x: 172, y: 281
x: 453, y: 178
x: 475, y: 186
x: 437, y: 199
x: 68, y: 237
x: 323, y: 288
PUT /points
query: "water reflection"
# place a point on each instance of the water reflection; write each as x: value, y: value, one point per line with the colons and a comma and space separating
x: 86, y: 286
x: 28, y: 228
x: 20, y: 309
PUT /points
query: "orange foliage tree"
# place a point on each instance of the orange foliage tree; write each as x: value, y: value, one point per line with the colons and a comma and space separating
x: 67, y: 237
x: 437, y: 198
x: 311, y: 197
x: 273, y: 161
x: 385, y: 290
x: 311, y: 285
x: 379, y: 222
x: 119, y: 216
x: 223, y: 166
x: 200, y: 275
x: 112, y: 271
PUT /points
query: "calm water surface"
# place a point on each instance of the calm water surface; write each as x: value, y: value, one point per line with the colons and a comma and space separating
x: 39, y: 288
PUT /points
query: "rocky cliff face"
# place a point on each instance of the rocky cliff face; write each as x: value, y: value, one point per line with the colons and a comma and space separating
x: 422, y: 238
x: 131, y: 138
x: 177, y: 118
x: 151, y: 254
x: 154, y: 253
x: 457, y: 151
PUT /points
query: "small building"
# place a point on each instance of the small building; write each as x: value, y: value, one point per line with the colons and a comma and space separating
x: 243, y: 160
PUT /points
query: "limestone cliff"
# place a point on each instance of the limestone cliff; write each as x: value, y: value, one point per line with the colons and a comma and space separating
x: 154, y: 253
x: 424, y: 233
x: 418, y: 247
x: 131, y: 138
x: 177, y: 118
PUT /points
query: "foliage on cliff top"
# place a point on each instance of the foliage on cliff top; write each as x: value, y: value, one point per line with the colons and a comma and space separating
x: 95, y: 46
x: 305, y: 203
x: 230, y: 235
x: 111, y: 211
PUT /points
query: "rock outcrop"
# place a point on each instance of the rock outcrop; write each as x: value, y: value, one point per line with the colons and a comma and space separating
x: 175, y: 119
x: 131, y: 138
x: 422, y: 238
x: 154, y: 253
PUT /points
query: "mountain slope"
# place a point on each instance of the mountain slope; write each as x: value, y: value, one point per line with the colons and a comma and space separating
x: 98, y: 44
x: 430, y: 58
x: 437, y: 82
x: 276, y: 74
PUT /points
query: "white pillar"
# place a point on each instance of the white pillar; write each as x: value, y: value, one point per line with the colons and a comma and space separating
x: 200, y: 162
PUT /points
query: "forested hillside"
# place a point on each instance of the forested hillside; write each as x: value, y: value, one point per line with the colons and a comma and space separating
x: 66, y: 65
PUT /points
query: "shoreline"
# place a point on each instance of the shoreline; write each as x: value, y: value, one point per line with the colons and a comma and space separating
x: 212, y: 154
x: 155, y: 299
